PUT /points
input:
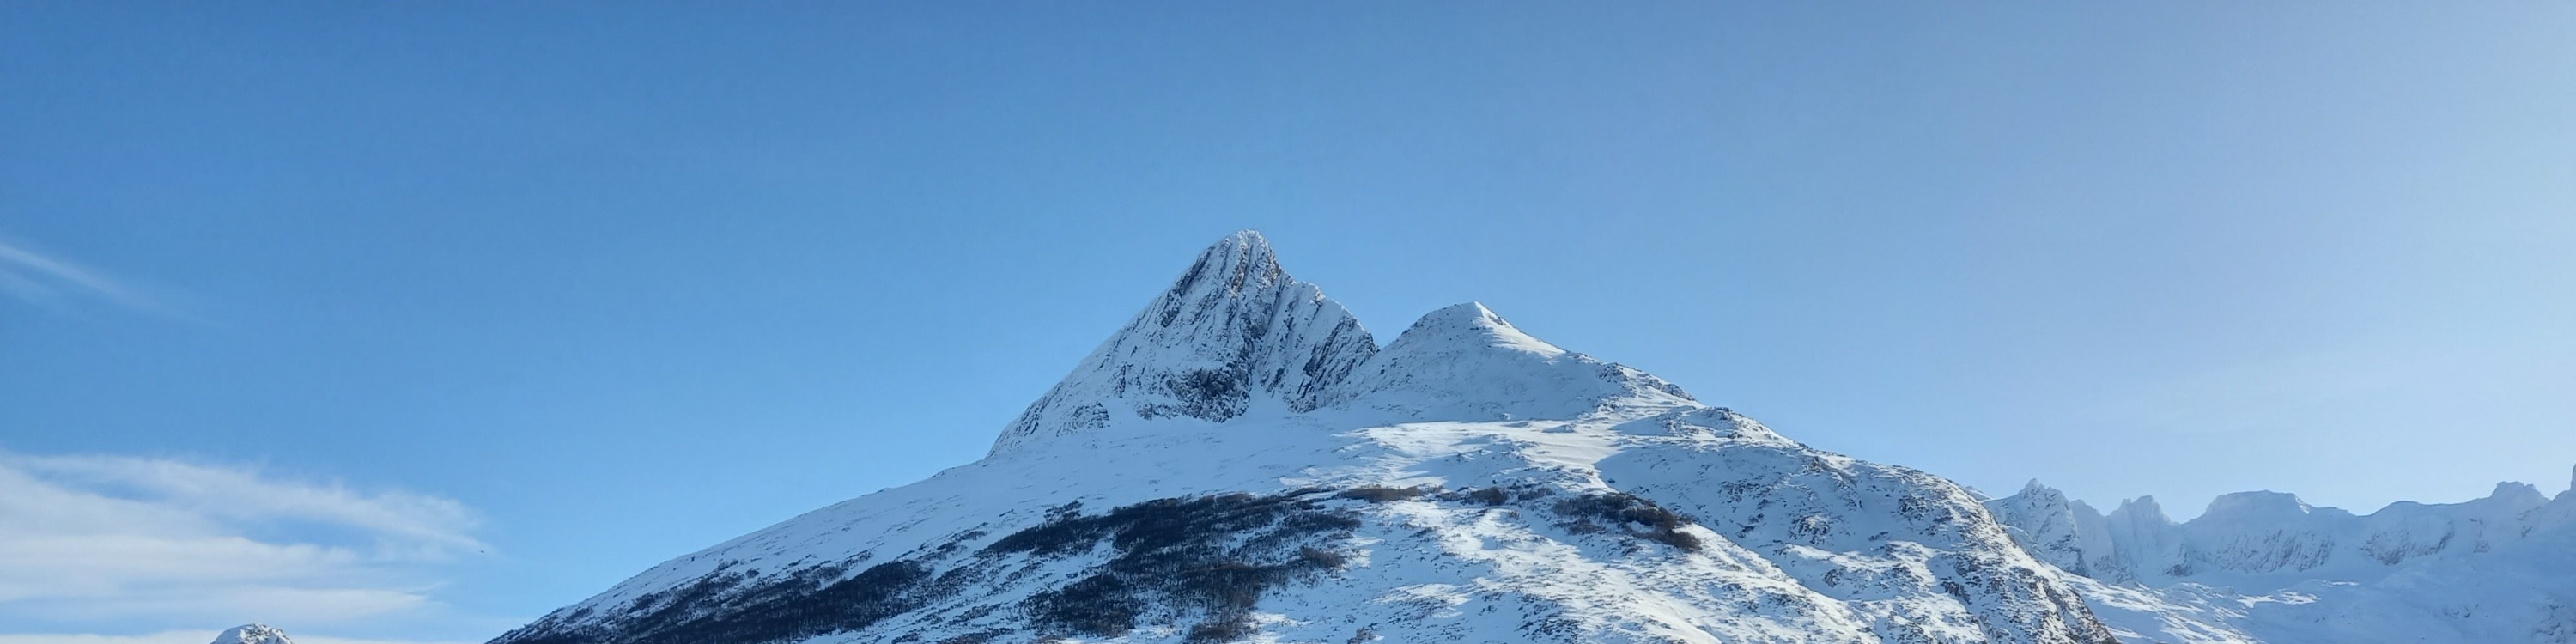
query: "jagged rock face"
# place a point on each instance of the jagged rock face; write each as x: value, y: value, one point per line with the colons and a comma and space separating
x: 1469, y: 483
x: 1233, y: 332
x: 253, y: 634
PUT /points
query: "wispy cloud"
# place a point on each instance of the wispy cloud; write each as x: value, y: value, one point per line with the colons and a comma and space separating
x: 113, y: 539
x: 54, y: 283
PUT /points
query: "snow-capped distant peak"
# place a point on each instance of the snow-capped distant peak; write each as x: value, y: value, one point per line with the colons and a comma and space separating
x: 2261, y: 505
x: 2067, y: 534
x: 2518, y: 493
x: 253, y: 634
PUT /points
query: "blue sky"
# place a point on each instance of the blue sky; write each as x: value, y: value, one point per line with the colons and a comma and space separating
x: 402, y: 321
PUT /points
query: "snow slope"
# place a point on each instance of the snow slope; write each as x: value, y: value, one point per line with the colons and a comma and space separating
x: 2264, y: 566
x: 1241, y: 462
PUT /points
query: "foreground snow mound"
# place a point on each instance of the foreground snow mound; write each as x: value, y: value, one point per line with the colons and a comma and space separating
x: 253, y: 634
x: 1240, y: 463
x: 2264, y: 566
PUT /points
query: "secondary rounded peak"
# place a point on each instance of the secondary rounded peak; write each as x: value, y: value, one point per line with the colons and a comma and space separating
x: 1474, y: 323
x: 1464, y: 362
x: 253, y: 634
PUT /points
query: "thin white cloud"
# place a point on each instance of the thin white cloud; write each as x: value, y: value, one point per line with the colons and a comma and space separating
x: 114, y: 539
x: 46, y: 281
x: 420, y: 523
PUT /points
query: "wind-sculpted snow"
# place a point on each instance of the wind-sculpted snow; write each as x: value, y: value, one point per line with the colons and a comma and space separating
x: 1242, y: 464
x: 2263, y: 566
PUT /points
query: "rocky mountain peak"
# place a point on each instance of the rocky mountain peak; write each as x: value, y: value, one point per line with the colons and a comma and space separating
x: 1233, y: 333
x: 1243, y: 260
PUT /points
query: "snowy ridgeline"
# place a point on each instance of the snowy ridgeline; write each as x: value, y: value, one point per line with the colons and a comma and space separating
x: 2264, y: 566
x: 1235, y: 336
x: 1243, y: 462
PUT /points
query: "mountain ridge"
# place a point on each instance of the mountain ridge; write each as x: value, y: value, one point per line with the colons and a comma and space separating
x: 2264, y: 566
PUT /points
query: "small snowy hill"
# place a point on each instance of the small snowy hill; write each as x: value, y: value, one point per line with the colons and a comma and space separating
x: 2264, y: 566
x: 253, y: 634
x: 1243, y: 462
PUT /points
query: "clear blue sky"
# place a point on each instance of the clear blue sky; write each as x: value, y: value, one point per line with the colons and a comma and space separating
x: 504, y: 302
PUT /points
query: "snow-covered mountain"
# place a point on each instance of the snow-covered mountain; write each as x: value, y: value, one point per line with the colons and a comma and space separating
x: 253, y: 634
x: 2264, y: 566
x: 1242, y: 462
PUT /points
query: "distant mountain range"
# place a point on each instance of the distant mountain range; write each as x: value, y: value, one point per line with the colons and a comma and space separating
x: 2265, y: 567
